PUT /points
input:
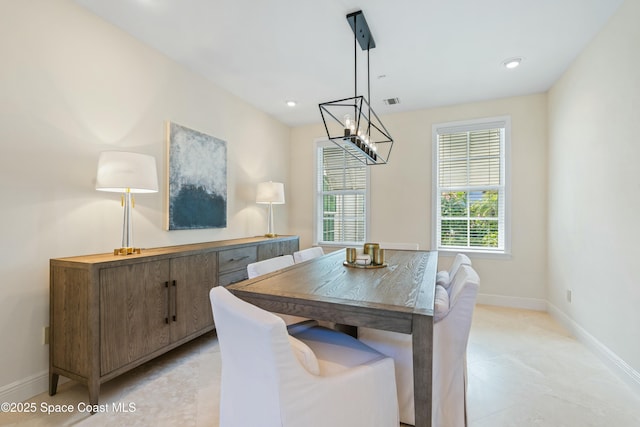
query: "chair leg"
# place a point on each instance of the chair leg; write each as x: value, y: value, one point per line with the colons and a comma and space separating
x: 347, y: 329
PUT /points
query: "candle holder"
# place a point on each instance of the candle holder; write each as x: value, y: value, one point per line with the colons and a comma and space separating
x: 372, y: 257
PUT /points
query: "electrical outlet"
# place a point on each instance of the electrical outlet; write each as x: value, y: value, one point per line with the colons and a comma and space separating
x: 45, y: 335
x: 568, y: 295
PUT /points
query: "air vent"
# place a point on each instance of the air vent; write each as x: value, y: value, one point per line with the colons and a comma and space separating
x: 392, y: 101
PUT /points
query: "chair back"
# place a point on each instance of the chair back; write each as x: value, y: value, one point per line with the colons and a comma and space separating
x: 445, y: 277
x: 255, y: 352
x: 259, y: 268
x: 307, y: 254
x: 460, y: 259
x: 466, y: 279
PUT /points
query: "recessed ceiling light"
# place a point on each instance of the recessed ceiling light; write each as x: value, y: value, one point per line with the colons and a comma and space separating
x: 291, y: 103
x: 512, y: 63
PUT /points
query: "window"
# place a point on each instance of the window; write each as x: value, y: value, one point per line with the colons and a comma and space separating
x: 341, y: 203
x: 471, y: 185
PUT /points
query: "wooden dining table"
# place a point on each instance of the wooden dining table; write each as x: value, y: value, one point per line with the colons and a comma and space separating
x: 397, y: 297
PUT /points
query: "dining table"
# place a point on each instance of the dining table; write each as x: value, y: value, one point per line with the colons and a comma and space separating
x: 397, y: 295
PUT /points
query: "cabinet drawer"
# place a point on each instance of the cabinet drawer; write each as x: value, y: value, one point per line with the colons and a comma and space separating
x: 277, y: 248
x: 236, y: 259
x: 233, y: 277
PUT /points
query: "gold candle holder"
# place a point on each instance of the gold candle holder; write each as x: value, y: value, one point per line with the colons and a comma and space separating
x: 378, y: 256
x: 351, y: 255
x: 371, y: 248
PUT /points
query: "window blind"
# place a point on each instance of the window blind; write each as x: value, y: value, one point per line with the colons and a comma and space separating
x: 469, y: 158
x: 341, y: 187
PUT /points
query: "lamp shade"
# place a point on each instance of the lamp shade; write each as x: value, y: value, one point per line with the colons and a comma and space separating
x: 119, y: 171
x: 270, y: 192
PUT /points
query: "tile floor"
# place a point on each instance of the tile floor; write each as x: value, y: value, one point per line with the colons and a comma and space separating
x: 524, y: 370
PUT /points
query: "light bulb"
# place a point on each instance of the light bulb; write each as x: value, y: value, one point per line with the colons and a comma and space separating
x: 358, y: 139
x: 348, y: 125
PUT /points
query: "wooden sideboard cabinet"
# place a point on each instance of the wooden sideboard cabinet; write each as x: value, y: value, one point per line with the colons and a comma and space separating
x: 110, y: 313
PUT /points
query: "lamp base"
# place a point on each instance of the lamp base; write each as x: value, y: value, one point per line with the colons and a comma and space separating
x: 271, y: 235
x: 127, y: 251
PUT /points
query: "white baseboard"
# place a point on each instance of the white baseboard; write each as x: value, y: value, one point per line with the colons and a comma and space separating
x: 26, y: 388
x: 610, y: 359
x: 513, y: 302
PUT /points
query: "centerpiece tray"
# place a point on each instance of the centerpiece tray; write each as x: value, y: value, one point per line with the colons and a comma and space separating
x: 365, y: 266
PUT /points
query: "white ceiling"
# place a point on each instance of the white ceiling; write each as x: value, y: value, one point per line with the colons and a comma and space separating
x: 431, y: 52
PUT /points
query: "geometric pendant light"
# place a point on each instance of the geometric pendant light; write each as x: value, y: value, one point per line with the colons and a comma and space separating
x: 351, y: 123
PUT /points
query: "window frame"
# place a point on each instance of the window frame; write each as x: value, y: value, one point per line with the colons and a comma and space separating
x: 465, y: 126
x: 318, y: 197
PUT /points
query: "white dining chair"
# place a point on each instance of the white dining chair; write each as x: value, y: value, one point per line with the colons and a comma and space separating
x: 400, y: 246
x: 320, y: 378
x: 445, y: 277
x: 307, y: 254
x: 270, y: 265
x: 450, y: 338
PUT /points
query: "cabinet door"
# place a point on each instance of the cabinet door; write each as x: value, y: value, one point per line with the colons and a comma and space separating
x: 134, y: 304
x: 192, y: 277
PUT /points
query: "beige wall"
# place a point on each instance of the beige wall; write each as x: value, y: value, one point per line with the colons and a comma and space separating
x: 401, y: 191
x: 72, y: 86
x: 594, y: 188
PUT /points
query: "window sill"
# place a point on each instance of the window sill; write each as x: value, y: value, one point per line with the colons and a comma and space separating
x: 339, y: 244
x: 451, y: 252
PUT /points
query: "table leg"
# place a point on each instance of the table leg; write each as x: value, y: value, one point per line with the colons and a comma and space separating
x: 422, y: 368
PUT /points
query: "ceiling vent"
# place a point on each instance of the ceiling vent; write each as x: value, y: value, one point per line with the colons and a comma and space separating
x: 392, y: 101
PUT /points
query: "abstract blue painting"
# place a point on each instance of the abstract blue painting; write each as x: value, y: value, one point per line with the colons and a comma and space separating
x: 197, y: 174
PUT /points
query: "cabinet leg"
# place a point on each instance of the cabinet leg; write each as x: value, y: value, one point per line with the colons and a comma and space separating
x: 94, y: 391
x: 53, y: 383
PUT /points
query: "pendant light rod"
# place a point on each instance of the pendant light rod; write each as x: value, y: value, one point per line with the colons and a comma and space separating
x: 368, y: 94
x: 362, y: 35
x: 355, y: 58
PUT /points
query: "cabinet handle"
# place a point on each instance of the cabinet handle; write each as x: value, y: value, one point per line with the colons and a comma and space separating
x: 175, y: 301
x: 239, y: 259
x: 166, y: 286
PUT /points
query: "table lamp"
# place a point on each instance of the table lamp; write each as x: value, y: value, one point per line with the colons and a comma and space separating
x: 127, y: 173
x: 273, y: 194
